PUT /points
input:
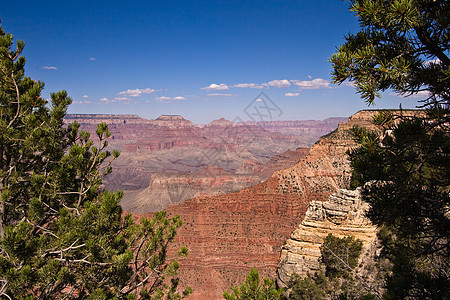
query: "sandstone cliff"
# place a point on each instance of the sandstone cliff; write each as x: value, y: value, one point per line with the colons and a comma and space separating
x: 343, y: 214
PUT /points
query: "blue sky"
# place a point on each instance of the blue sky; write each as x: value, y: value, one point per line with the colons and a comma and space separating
x: 201, y: 59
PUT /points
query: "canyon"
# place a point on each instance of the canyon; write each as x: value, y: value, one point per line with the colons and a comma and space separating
x: 170, y: 159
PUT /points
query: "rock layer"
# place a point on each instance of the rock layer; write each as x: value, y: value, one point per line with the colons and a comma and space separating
x: 165, y: 189
x: 343, y: 214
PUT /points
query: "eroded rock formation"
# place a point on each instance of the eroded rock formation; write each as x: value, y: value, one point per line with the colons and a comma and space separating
x: 343, y: 214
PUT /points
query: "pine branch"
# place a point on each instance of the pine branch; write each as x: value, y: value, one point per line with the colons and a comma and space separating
x: 353, y: 271
x: 423, y: 36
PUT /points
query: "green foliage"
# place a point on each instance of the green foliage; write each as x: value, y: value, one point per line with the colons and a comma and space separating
x: 308, y: 288
x: 403, y: 45
x: 61, y: 235
x: 253, y: 288
x: 340, y: 255
x: 409, y: 175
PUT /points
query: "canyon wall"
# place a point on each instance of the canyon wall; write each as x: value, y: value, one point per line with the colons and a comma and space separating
x: 165, y: 189
x: 163, y: 160
x: 229, y: 234
x: 342, y: 214
x: 309, y: 130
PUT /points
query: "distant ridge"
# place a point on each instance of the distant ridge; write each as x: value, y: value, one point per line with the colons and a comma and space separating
x: 106, y: 118
x: 115, y: 119
x: 170, y: 118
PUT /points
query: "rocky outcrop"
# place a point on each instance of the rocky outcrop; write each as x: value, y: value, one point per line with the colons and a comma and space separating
x: 172, y: 121
x: 222, y: 122
x: 343, y: 214
x: 170, y: 118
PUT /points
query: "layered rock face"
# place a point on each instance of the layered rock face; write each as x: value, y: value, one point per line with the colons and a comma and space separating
x: 343, y: 214
x: 228, y: 234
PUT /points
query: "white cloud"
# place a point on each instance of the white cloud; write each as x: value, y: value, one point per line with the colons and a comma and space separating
x: 103, y: 99
x: 283, y: 83
x: 82, y: 102
x: 163, y: 98
x: 92, y: 58
x: 121, y: 99
x: 313, y: 84
x: 219, y: 94
x: 85, y: 96
x: 137, y: 92
x: 251, y: 85
x: 291, y: 94
x: 49, y: 68
x: 216, y: 87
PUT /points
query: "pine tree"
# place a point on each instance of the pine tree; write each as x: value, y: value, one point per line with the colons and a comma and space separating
x: 403, y: 45
x: 253, y: 288
x: 61, y: 235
